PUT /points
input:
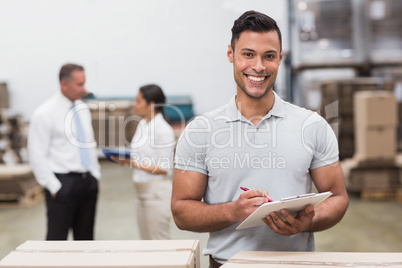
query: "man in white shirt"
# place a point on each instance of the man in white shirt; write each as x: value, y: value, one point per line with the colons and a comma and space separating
x: 63, y: 156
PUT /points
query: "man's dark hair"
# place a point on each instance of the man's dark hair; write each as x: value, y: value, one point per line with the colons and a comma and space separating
x: 256, y: 22
x: 67, y: 70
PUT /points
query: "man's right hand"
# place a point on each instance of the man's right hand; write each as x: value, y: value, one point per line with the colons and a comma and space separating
x: 248, y: 202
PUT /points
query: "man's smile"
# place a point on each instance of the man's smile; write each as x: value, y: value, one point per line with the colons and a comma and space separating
x: 256, y: 78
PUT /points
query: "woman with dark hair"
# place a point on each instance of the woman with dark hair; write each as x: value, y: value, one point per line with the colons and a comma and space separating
x: 152, y: 159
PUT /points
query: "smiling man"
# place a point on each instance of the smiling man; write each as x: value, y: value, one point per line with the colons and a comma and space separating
x: 260, y: 142
x: 255, y: 71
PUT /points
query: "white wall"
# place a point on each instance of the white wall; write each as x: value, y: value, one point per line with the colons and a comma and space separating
x: 179, y: 44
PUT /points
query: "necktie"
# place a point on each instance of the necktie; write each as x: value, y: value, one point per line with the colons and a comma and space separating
x: 84, y: 152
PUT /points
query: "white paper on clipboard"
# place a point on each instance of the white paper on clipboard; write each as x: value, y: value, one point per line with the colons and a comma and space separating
x: 292, y: 204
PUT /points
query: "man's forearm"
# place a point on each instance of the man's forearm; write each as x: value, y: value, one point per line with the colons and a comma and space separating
x: 329, y: 213
x: 197, y: 216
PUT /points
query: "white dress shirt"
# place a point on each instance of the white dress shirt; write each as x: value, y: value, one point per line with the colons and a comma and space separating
x: 52, y: 141
x: 153, y: 144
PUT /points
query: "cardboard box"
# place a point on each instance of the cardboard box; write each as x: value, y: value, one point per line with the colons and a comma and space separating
x: 375, y: 109
x: 346, y: 146
x: 126, y: 253
x: 338, y: 103
x: 375, y: 162
x: 343, y: 90
x: 374, y: 178
x: 400, y: 112
x: 16, y: 181
x: 100, y: 124
x: 4, y: 96
x: 260, y: 259
x: 375, y: 143
x: 114, y: 123
x: 343, y: 127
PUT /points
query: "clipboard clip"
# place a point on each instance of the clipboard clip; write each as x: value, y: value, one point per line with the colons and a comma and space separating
x: 297, y: 197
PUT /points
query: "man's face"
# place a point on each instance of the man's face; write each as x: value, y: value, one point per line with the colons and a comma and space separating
x: 256, y: 60
x: 74, y: 89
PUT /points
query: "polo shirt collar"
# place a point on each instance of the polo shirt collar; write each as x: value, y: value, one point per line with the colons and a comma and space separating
x: 278, y: 108
x: 235, y: 115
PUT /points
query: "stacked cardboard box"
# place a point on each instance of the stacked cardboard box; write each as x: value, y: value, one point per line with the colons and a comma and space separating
x: 129, y: 254
x: 4, y: 96
x: 114, y: 123
x: 376, y: 119
x: 4, y: 126
x: 18, y: 185
x: 374, y: 167
x: 13, y: 139
x: 262, y: 259
x: 337, y: 106
x: 395, y: 73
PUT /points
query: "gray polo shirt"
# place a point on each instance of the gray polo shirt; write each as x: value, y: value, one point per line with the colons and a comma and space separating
x: 276, y: 155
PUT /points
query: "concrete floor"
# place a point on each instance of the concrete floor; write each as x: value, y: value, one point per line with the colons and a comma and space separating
x: 367, y: 226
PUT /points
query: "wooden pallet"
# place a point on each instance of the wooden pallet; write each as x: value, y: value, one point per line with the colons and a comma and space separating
x: 29, y: 198
x: 381, y: 195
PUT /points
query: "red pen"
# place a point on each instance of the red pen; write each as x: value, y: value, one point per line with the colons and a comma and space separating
x: 246, y: 189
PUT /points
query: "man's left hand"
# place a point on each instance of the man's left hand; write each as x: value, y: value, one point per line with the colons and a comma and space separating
x: 292, y: 225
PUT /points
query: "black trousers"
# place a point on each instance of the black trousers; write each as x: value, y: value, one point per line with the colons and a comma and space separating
x: 73, y: 208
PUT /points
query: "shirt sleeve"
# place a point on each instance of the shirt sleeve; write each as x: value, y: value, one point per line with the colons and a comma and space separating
x: 191, y: 147
x: 39, y: 138
x: 321, y: 141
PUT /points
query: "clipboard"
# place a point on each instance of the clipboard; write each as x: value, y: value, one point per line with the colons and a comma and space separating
x: 113, y: 152
x: 292, y: 204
